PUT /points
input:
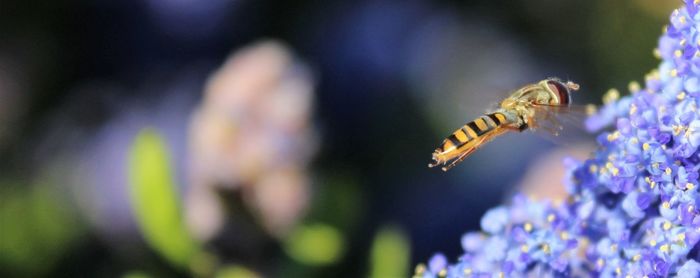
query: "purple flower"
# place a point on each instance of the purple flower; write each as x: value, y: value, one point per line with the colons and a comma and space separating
x: 690, y: 269
x: 437, y: 263
x: 494, y: 220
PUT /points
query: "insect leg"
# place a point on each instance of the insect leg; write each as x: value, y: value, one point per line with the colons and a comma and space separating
x: 435, y: 162
x: 458, y: 159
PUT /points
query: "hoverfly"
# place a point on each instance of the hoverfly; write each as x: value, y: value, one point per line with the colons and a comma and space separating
x: 530, y: 107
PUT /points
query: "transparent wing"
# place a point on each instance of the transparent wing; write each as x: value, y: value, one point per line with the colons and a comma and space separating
x: 560, y: 124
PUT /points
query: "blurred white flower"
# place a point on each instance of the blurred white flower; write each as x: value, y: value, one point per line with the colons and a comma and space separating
x: 252, y: 133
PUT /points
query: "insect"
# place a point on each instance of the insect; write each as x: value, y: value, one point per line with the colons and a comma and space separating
x: 530, y: 107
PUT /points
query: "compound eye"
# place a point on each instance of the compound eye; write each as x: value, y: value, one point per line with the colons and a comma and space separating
x: 561, y: 90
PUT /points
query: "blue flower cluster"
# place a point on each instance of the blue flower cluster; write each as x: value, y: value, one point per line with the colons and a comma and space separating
x: 633, y: 209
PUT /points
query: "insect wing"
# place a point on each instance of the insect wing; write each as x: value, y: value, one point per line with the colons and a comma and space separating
x: 561, y: 124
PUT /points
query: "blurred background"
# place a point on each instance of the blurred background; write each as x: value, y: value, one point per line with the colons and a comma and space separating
x: 234, y: 138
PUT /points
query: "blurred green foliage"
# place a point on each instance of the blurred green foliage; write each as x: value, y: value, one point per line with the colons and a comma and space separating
x: 315, y: 244
x: 235, y: 271
x: 155, y: 201
x: 390, y: 254
x: 36, y: 227
x: 618, y: 60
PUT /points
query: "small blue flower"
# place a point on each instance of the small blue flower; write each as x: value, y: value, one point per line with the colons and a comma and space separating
x: 690, y: 269
x: 495, y: 249
x: 437, y: 263
x: 494, y: 220
x: 633, y: 206
x: 472, y: 242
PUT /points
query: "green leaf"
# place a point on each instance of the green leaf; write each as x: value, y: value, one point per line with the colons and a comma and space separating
x: 155, y: 201
x: 316, y: 244
x: 390, y: 254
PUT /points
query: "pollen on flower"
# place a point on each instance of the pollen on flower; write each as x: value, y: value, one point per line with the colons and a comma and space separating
x: 591, y: 109
x: 677, y: 129
x: 667, y: 225
x: 611, y: 96
x: 681, y: 95
x: 664, y: 248
x: 564, y: 235
x: 637, y: 257
x: 420, y: 269
x: 652, y: 243
x: 593, y: 168
x: 633, y: 86
x: 524, y: 248
x: 615, y: 171
x: 678, y: 53
x: 652, y: 75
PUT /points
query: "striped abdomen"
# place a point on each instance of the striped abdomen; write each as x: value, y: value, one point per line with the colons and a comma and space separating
x: 470, y: 135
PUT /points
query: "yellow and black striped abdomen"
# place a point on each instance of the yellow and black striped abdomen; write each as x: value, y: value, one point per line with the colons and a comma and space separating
x: 470, y: 133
